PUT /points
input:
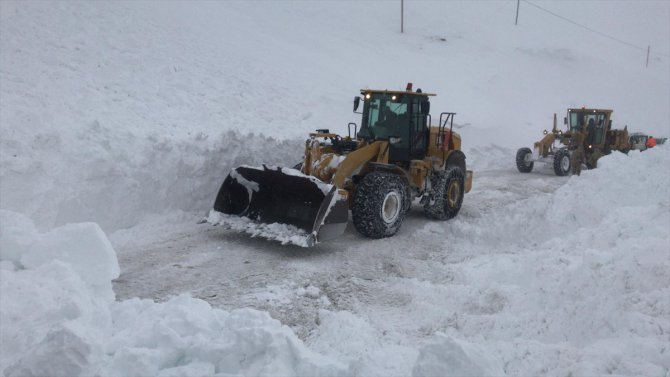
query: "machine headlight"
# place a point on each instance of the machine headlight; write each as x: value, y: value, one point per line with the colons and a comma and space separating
x: 395, y: 140
x: 545, y: 132
x: 367, y: 96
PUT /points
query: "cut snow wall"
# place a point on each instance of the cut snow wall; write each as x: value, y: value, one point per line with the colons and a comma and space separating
x: 114, y: 178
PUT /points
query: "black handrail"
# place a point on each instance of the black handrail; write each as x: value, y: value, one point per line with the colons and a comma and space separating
x: 448, y: 118
x: 355, y: 130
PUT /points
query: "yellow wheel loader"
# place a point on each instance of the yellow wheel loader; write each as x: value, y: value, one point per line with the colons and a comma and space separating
x: 376, y: 172
x: 589, y: 136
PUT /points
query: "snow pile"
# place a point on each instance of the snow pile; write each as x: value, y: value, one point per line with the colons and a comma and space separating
x: 448, y: 357
x: 115, y: 178
x: 59, y: 318
x: 580, y: 275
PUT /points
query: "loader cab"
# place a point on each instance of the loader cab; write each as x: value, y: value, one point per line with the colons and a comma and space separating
x: 399, y: 117
x: 595, y: 122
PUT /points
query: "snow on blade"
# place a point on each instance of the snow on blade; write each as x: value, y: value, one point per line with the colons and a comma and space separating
x: 253, y: 186
x: 324, y: 187
x: 249, y: 185
x: 284, y: 233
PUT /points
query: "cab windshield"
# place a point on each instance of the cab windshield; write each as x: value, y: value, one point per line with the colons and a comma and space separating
x: 590, y: 121
x: 638, y: 139
x: 385, y: 118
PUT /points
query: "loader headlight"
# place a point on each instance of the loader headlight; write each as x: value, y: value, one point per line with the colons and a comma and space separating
x: 367, y: 96
x: 395, y: 140
x: 590, y: 146
x: 545, y: 132
x: 393, y: 98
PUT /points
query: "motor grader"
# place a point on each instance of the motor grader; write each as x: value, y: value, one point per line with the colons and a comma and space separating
x: 588, y: 131
x: 397, y: 156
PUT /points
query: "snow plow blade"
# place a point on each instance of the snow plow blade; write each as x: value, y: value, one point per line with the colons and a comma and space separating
x: 280, y: 204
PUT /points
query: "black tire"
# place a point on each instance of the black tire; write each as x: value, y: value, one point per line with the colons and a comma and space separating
x: 380, y: 203
x: 562, y: 163
x: 448, y: 196
x: 522, y: 160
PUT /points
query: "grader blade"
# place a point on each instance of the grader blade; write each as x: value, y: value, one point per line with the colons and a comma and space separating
x: 281, y: 204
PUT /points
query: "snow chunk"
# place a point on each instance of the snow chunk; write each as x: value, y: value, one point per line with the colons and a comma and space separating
x: 186, y: 336
x: 54, y: 323
x: 310, y: 292
x: 450, y: 357
x: 17, y: 233
x: 336, y: 161
x: 51, y: 322
x: 83, y: 246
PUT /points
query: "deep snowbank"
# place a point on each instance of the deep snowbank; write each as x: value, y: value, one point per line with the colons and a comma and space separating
x: 59, y: 318
x: 529, y: 281
x: 572, y: 281
x: 115, y: 179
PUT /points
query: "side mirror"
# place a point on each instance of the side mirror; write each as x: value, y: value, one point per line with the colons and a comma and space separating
x: 357, y: 102
x: 425, y: 108
x: 565, y: 120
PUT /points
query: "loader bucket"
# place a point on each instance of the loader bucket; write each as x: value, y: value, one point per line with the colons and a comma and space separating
x: 281, y: 204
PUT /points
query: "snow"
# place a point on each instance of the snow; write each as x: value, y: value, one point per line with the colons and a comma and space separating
x: 450, y: 357
x: 57, y: 319
x: 119, y: 122
x: 324, y: 187
x: 284, y: 233
x: 249, y: 185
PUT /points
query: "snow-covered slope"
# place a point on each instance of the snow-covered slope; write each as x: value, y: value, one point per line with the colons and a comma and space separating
x: 95, y: 92
x: 129, y: 115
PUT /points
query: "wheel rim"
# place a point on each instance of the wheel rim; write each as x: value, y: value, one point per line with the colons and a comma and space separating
x: 527, y: 159
x: 453, y: 193
x: 391, y: 207
x: 565, y: 163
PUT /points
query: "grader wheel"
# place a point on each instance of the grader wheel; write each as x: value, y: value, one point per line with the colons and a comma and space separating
x: 524, y: 160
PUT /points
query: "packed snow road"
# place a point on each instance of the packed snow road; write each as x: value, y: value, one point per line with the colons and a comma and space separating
x: 232, y: 270
x: 540, y: 273
x: 402, y: 289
